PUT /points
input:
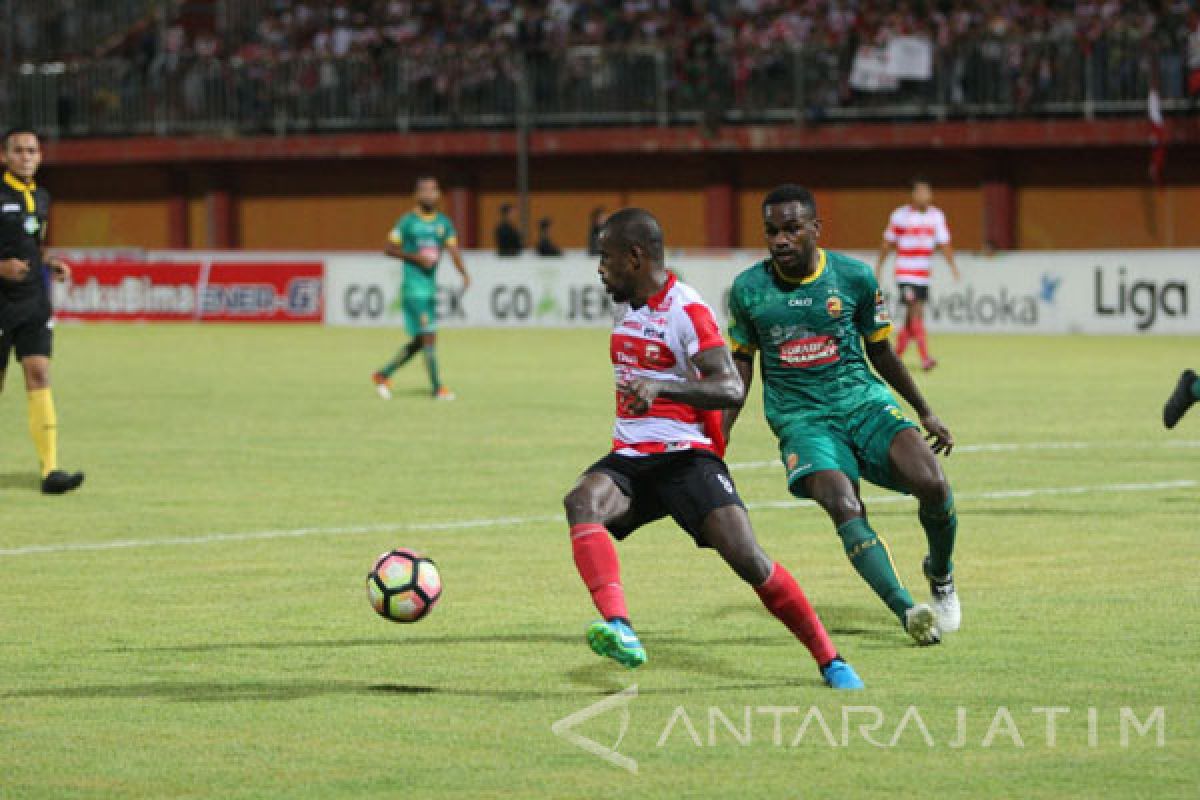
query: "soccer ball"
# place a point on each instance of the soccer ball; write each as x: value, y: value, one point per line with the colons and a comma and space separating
x: 403, y: 586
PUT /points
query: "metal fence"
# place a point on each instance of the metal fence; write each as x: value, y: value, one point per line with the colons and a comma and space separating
x: 48, y: 29
x: 583, y: 86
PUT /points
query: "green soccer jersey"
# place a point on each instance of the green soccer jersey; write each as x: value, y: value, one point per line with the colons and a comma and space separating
x: 417, y: 232
x: 809, y: 335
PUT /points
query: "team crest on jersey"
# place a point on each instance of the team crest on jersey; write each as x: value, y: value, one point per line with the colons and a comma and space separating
x: 882, y: 315
x: 834, y: 306
x: 31, y: 225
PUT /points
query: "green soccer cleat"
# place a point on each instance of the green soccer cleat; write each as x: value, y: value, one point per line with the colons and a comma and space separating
x: 1180, y: 400
x: 616, y: 640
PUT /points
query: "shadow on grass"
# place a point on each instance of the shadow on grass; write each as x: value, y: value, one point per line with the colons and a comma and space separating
x: 20, y: 480
x: 573, y: 640
x: 253, y: 691
x: 398, y: 641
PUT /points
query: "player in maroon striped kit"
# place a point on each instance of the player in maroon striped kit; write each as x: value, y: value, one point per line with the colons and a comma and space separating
x: 674, y: 374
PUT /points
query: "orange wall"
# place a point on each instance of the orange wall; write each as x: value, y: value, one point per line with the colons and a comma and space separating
x: 568, y: 210
x: 854, y: 219
x: 680, y: 212
x: 1086, y: 218
x: 109, y: 223
x: 1061, y: 217
x: 321, y: 222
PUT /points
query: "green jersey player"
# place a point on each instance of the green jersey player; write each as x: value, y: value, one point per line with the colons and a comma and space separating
x: 816, y: 318
x: 418, y: 239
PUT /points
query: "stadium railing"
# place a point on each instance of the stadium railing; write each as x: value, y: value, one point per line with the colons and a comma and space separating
x: 582, y: 86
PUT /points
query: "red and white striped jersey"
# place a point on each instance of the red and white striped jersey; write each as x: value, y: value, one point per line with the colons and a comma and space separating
x: 658, y: 341
x: 916, y: 235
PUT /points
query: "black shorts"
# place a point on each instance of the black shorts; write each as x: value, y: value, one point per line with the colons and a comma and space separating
x: 27, y: 328
x: 913, y: 292
x: 688, y: 485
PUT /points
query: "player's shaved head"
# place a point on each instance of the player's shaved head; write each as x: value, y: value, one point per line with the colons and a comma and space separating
x: 636, y: 227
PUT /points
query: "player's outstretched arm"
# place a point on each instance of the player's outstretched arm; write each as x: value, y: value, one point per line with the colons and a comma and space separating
x: 889, y: 366
x: 884, y: 249
x: 456, y: 257
x: 719, y: 385
x: 743, y: 362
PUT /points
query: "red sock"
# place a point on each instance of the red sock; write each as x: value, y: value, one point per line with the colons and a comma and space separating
x: 784, y: 598
x: 598, y: 565
x: 902, y: 340
x: 922, y: 341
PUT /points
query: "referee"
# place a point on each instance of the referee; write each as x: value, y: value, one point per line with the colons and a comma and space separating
x: 26, y: 318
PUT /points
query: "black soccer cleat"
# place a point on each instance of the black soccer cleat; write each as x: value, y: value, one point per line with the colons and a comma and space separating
x: 1180, y: 400
x: 59, y: 482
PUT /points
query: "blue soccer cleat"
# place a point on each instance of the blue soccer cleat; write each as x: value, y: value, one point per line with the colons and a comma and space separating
x: 840, y: 675
x: 616, y: 640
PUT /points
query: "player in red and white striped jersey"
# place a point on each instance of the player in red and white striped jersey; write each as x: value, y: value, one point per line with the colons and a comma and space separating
x: 915, y: 231
x: 674, y: 375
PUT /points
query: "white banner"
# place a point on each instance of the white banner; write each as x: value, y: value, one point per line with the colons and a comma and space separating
x: 1123, y: 292
x: 1092, y: 292
x: 910, y: 58
x: 505, y: 292
x: 869, y: 71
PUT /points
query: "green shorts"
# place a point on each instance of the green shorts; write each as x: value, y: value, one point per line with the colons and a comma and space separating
x: 855, y: 442
x: 420, y: 314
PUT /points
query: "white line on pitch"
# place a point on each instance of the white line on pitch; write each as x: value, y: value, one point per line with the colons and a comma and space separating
x: 494, y: 522
x: 1012, y: 447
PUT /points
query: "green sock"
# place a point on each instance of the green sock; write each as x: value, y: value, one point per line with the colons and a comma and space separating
x: 432, y: 365
x: 870, y: 557
x: 401, y: 358
x: 941, y: 525
x: 1196, y: 389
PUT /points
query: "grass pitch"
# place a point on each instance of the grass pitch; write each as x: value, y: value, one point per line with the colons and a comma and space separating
x: 216, y: 641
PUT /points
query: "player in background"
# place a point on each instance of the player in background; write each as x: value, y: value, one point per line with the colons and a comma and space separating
x: 26, y: 315
x: 807, y: 311
x: 1184, y: 396
x: 915, y: 231
x: 673, y: 373
x: 418, y: 239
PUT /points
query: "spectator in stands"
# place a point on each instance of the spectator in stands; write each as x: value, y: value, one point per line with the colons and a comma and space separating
x: 546, y: 245
x: 1193, y: 58
x: 509, y: 242
x: 378, y: 61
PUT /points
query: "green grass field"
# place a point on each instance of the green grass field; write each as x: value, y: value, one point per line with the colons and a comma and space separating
x: 226, y: 649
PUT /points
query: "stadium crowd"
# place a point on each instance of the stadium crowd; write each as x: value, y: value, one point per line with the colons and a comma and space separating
x: 361, y: 58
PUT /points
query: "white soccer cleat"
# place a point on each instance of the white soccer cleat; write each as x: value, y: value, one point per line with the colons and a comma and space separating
x: 922, y: 624
x: 944, y: 599
x: 382, y: 386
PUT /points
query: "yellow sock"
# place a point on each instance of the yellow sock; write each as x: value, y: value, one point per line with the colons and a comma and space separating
x: 43, y: 427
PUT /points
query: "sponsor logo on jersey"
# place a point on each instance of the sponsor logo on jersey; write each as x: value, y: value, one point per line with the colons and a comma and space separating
x: 882, y: 315
x: 811, y: 351
x: 800, y: 301
x: 635, y: 351
x: 834, y: 306
x: 654, y: 333
x: 8, y: 207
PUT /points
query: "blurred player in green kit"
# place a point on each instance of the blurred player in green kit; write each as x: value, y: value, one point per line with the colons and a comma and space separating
x: 419, y: 239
